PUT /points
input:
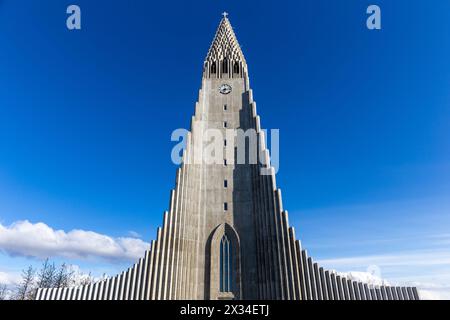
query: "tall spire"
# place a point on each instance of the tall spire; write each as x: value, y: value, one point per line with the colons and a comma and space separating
x: 225, y: 44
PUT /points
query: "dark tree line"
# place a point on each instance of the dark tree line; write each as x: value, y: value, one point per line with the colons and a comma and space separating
x: 48, y: 276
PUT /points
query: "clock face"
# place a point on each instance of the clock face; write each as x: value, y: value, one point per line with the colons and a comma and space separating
x: 225, y: 89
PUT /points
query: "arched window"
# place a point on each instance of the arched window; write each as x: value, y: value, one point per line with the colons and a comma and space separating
x: 225, y: 66
x: 225, y: 265
x: 236, y: 67
x: 213, y: 67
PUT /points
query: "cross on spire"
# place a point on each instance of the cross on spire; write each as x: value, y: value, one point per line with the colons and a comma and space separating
x: 225, y: 14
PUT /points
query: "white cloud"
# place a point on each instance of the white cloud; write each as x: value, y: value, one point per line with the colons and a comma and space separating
x: 434, y: 293
x: 9, y: 278
x: 366, y: 277
x: 38, y: 240
x: 134, y: 234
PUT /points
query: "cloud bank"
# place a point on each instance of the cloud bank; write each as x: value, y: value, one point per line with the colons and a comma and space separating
x: 38, y: 240
x: 9, y: 278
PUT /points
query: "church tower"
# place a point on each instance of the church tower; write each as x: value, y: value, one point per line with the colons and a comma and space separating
x: 226, y: 234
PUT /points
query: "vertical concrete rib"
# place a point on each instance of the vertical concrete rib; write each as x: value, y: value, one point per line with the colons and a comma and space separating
x: 106, y: 290
x: 410, y: 293
x: 384, y: 293
x: 318, y: 282
x: 176, y: 236
x: 262, y: 267
x: 303, y: 289
x: 324, y: 284
x: 69, y: 294
x: 122, y: 284
x: 154, y: 286
x: 140, y: 279
x: 394, y: 293
x: 340, y: 288
x: 44, y: 293
x: 399, y: 293
x: 307, y: 278
x: 170, y: 248
x: 134, y: 270
x: 345, y: 288
x: 405, y: 293
x: 273, y: 227
x: 362, y: 292
x: 101, y: 289
x: 288, y: 251
x: 149, y: 285
x: 84, y: 291
x: 38, y: 294
x: 182, y: 241
x: 161, y: 254
x: 116, y: 287
x: 329, y: 285
x: 95, y: 291
x: 389, y: 293
x: 367, y: 292
x: 272, y: 289
x: 80, y: 293
x: 334, y: 286
x: 415, y: 293
x: 373, y: 295
x: 351, y: 290
x: 312, y: 279
x: 295, y: 270
x: 358, y: 290
x: 144, y: 276
x: 127, y: 284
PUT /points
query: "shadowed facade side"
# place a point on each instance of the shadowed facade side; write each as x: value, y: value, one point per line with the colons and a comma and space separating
x: 226, y: 234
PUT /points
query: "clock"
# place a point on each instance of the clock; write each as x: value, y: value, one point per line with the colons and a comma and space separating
x: 225, y: 89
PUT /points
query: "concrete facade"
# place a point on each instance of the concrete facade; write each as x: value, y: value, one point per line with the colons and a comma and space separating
x: 226, y: 211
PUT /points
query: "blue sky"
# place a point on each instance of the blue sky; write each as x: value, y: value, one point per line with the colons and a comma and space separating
x: 364, y: 119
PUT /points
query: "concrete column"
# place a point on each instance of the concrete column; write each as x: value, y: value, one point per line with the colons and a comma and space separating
x: 405, y: 293
x: 312, y: 279
x: 318, y: 282
x: 399, y: 293
x: 334, y: 286
x: 351, y: 290
x: 95, y: 291
x: 356, y: 290
x: 69, y: 294
x: 57, y: 294
x: 362, y: 292
x: 378, y: 293
x: 302, y: 272
x: 38, y: 294
x: 384, y: 293
x: 324, y: 284
x: 133, y: 282
x: 373, y: 294
x: 340, y: 289
x: 329, y: 285
x: 415, y: 293
x: 367, y: 292
x: 307, y: 279
x: 295, y: 270
x: 345, y: 288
